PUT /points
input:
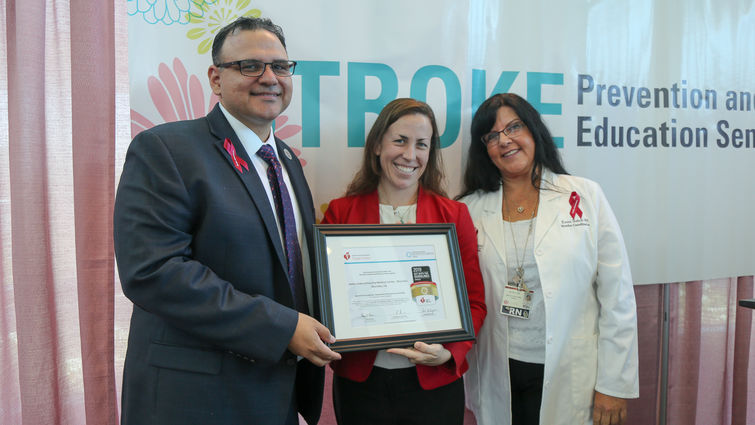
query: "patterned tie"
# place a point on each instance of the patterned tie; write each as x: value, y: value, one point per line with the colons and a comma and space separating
x: 285, y: 212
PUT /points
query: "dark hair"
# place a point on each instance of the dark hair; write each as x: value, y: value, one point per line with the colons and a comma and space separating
x: 367, y: 178
x: 244, y: 23
x: 480, y: 172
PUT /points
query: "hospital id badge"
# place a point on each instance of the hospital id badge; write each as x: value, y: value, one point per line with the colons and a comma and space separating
x: 517, y: 301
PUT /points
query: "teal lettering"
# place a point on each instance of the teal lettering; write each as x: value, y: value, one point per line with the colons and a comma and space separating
x: 310, y: 72
x: 503, y: 85
x: 358, y: 105
x: 535, y: 82
x: 418, y: 91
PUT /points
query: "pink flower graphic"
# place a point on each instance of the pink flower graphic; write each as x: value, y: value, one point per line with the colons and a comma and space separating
x: 285, y: 131
x: 178, y: 96
x: 175, y: 95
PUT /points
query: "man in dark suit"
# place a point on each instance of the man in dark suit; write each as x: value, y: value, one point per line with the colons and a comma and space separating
x: 220, y: 334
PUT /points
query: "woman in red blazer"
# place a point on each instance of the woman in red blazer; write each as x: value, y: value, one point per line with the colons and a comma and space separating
x: 401, y: 181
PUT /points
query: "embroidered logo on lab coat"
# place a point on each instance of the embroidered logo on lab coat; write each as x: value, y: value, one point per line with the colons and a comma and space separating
x: 576, y: 214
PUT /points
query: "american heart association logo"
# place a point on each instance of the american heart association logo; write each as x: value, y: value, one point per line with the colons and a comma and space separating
x: 346, y: 256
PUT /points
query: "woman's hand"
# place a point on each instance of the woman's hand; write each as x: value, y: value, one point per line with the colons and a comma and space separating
x: 608, y: 410
x: 424, y: 354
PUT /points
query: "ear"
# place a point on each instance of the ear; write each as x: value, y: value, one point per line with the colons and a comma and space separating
x: 378, y: 148
x: 213, y: 74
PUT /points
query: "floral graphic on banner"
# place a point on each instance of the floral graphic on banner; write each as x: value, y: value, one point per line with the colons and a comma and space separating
x: 215, y: 16
x: 175, y: 95
x: 178, y: 96
x: 168, y: 12
x: 283, y: 132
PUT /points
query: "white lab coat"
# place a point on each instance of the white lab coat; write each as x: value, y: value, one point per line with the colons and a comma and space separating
x: 590, y: 310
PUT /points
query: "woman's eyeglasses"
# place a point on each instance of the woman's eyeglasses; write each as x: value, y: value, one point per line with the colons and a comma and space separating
x: 511, y: 130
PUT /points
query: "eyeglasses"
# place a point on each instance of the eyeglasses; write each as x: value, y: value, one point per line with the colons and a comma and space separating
x: 255, y: 68
x: 512, y: 130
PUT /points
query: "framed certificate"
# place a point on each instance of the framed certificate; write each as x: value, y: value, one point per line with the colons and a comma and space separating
x: 384, y: 286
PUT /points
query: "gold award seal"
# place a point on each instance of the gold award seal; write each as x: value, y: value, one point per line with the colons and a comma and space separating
x: 424, y: 292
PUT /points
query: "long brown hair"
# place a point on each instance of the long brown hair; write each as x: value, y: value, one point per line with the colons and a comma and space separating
x: 367, y: 178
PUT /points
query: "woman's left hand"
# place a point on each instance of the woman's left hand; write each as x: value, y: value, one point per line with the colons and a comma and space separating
x: 424, y: 354
x: 608, y: 410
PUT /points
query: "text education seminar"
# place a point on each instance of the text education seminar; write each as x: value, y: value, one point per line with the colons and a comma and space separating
x: 603, y: 132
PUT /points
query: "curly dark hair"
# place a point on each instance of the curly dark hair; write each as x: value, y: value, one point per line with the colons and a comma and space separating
x: 480, y: 171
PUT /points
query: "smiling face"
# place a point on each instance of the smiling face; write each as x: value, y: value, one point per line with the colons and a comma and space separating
x: 403, y: 153
x: 514, y: 157
x: 255, y: 101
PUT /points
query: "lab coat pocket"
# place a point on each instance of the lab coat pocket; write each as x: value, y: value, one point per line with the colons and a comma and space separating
x: 584, y: 367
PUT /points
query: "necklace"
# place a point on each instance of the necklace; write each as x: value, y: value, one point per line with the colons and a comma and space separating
x: 519, y: 271
x: 520, y: 209
x: 403, y: 213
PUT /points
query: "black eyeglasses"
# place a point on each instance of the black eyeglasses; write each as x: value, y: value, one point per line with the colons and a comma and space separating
x: 511, y: 130
x: 255, y: 68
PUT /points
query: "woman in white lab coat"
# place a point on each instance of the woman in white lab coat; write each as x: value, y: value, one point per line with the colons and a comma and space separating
x: 559, y: 345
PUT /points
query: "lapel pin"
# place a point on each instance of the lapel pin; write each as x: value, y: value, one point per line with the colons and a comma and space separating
x: 288, y: 154
x: 235, y: 159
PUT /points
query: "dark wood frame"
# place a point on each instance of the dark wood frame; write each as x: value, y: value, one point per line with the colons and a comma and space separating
x: 365, y: 231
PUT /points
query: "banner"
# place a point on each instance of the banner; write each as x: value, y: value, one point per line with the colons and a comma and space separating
x: 654, y: 101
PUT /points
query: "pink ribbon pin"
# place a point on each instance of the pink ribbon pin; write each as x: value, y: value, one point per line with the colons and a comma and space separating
x: 574, y: 202
x: 237, y: 162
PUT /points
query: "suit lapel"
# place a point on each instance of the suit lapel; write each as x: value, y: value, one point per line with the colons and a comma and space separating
x: 220, y: 128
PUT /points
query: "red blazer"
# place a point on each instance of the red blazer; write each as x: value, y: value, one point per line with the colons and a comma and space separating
x: 431, y: 208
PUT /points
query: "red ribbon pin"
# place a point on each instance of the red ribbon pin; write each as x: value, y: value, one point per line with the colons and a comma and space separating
x: 574, y: 202
x: 237, y: 162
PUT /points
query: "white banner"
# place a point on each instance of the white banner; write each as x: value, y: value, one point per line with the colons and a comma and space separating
x: 655, y: 101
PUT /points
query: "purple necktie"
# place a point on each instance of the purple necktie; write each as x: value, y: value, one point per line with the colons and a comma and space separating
x: 285, y: 212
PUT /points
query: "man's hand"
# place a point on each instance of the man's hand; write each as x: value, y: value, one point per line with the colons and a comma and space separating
x: 308, y: 341
x: 608, y: 410
x: 424, y: 354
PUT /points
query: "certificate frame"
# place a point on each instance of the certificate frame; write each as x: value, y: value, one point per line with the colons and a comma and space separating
x: 364, y: 312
